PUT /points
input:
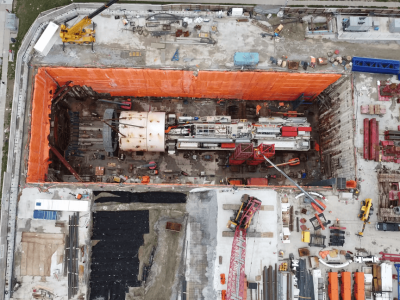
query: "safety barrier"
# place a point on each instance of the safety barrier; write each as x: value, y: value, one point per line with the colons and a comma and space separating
x: 281, y: 86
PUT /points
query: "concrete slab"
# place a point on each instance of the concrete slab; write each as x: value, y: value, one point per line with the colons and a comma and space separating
x: 26, y: 225
x: 260, y: 252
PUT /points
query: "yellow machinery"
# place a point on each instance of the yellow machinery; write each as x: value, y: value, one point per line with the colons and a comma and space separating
x: 246, y: 203
x: 77, y: 34
x: 283, y: 267
x: 365, y: 213
x: 305, y: 236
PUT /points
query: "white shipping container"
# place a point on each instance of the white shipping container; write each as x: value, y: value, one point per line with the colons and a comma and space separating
x: 48, y: 39
x: 237, y: 12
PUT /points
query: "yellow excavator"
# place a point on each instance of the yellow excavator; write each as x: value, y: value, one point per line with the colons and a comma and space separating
x: 78, y: 33
x: 366, y: 212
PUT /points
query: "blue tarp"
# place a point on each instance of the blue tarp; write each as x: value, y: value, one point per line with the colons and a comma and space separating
x: 246, y: 58
x: 374, y: 65
x: 45, y: 214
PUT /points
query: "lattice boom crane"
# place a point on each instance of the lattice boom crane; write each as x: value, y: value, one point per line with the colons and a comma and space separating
x: 240, y: 223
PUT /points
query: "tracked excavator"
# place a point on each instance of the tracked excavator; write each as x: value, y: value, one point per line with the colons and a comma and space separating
x: 78, y: 33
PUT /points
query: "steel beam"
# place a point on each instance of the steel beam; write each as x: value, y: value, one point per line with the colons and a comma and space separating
x: 65, y: 163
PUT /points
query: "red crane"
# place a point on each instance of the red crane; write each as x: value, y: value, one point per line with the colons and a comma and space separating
x: 240, y: 223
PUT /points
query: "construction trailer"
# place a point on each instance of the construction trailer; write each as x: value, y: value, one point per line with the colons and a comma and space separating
x: 384, y: 288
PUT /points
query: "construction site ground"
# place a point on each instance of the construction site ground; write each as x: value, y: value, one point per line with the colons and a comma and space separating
x: 192, y: 255
x: 114, y: 42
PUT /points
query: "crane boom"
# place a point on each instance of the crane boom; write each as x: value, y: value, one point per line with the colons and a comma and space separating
x: 317, y: 205
x: 101, y: 9
x: 236, y: 278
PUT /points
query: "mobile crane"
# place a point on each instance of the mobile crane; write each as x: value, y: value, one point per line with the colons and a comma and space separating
x: 240, y: 222
x: 77, y: 34
x: 366, y: 212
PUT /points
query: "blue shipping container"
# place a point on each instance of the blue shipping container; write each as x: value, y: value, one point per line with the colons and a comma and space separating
x: 374, y: 65
x: 45, y: 215
x: 246, y: 58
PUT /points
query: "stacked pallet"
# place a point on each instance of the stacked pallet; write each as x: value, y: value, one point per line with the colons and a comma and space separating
x: 373, y: 109
x: 377, y: 279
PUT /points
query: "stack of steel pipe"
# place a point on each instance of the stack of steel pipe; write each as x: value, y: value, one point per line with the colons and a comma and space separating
x: 73, y: 252
x: 393, y: 135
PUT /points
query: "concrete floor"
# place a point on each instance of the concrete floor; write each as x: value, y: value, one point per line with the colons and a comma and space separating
x: 260, y: 252
x: 112, y: 43
x: 26, y: 223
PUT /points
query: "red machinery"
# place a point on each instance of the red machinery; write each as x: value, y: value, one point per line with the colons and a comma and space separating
x: 242, y: 152
x: 259, y: 152
x: 240, y: 223
x: 393, y: 257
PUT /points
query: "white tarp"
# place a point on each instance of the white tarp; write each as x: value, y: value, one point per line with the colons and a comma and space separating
x: 62, y: 205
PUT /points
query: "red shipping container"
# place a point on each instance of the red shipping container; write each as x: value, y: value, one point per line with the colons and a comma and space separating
x: 308, y: 129
x: 372, y: 139
x: 377, y: 142
x: 228, y: 145
x: 257, y: 181
x: 289, y: 134
x: 366, y: 138
x: 289, y: 128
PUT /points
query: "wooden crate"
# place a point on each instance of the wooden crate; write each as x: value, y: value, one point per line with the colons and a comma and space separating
x: 173, y: 226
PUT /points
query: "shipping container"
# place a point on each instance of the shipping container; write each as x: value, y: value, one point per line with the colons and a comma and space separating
x: 45, y: 215
x: 289, y: 128
x: 359, y: 287
x: 257, y: 181
x: 345, y: 288
x: 228, y: 145
x: 289, y: 133
x: 47, y: 39
x: 304, y: 128
x: 333, y: 291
